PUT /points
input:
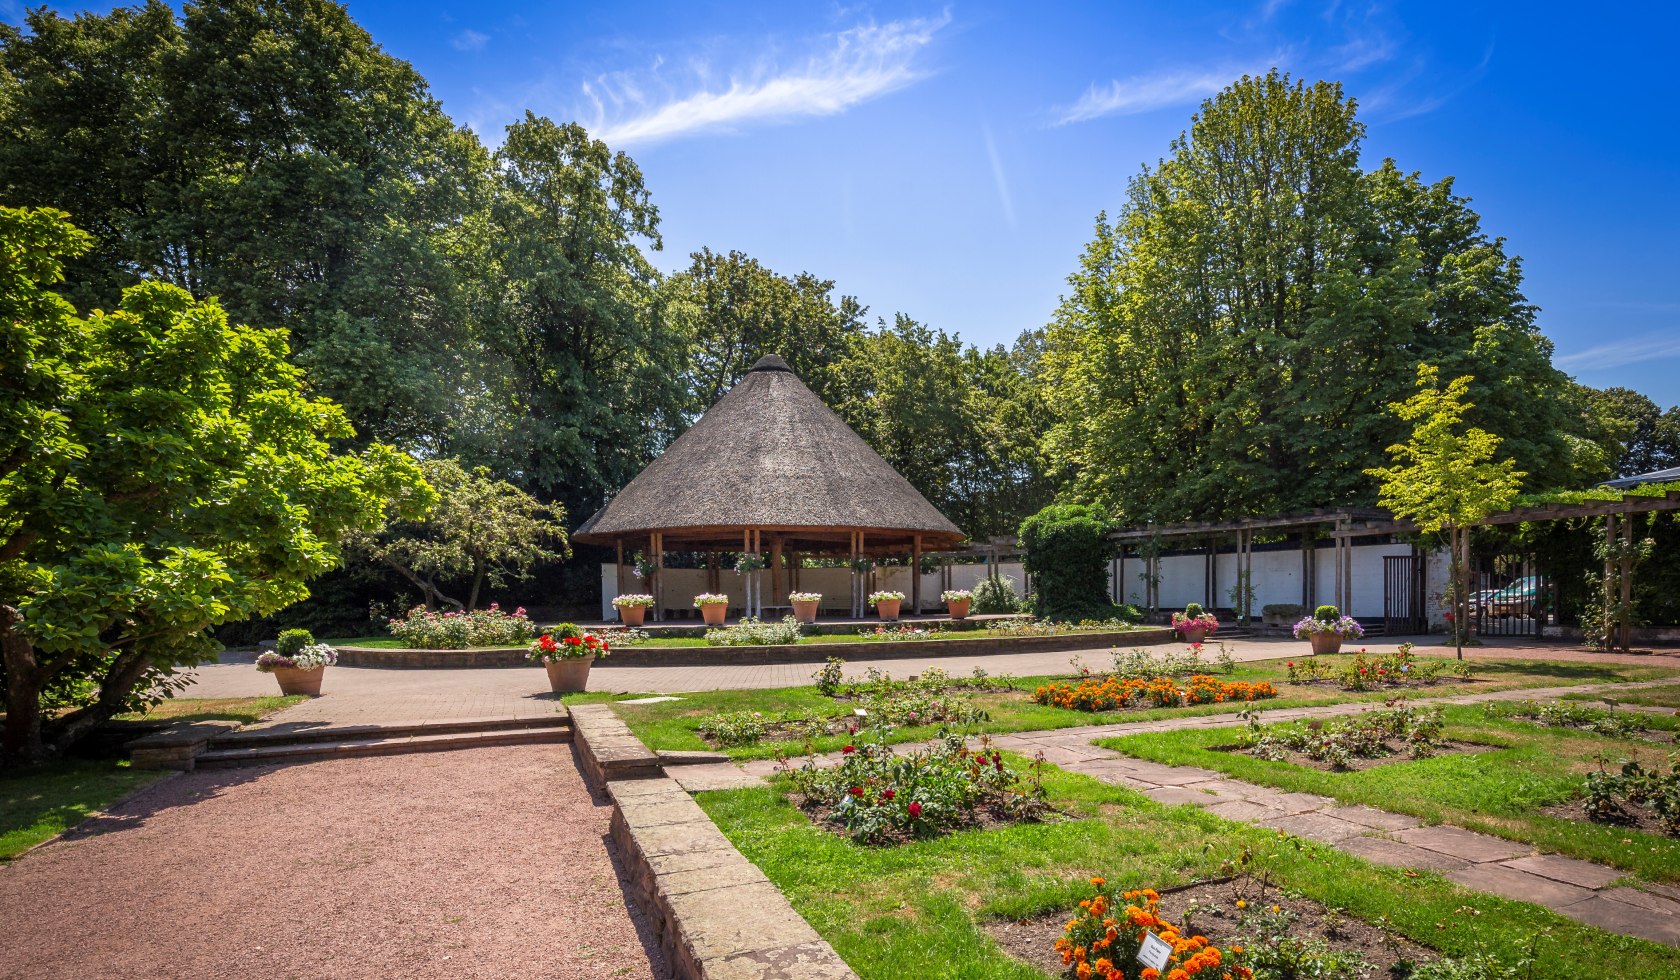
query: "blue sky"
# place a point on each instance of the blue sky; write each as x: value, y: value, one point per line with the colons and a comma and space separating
x: 948, y: 160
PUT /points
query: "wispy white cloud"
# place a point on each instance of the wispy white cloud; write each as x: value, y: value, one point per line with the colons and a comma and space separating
x: 854, y: 66
x: 998, y: 176
x: 1653, y: 347
x: 1146, y: 93
x: 469, y: 40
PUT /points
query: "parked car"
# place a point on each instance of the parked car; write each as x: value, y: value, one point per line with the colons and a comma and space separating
x: 1524, y: 597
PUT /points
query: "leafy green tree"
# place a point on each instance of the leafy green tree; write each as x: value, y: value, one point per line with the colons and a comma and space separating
x: 483, y: 531
x: 1446, y: 477
x: 1636, y: 434
x: 1230, y: 337
x: 268, y: 153
x: 736, y: 311
x: 164, y: 471
x: 1067, y: 554
x: 593, y: 385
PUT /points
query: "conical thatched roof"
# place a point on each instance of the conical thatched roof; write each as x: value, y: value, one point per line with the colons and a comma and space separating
x: 768, y: 455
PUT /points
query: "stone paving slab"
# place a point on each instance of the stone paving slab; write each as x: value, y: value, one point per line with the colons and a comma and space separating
x: 1568, y: 870
x: 1376, y: 819
x: 1507, y: 882
x: 1460, y: 843
x: 1645, y: 900
x: 1314, y: 826
x: 1629, y: 920
x: 726, y: 775
x: 1393, y: 853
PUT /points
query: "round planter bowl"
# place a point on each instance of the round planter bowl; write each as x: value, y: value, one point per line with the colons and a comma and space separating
x: 295, y: 681
x: 714, y: 613
x: 1326, y: 643
x: 568, y: 676
x: 958, y: 608
x: 1194, y: 634
x: 632, y: 616
x: 805, y: 612
x: 888, y: 610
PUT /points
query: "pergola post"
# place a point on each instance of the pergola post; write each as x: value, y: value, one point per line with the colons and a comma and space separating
x: 656, y: 543
x: 618, y: 570
x: 916, y: 574
x: 776, y: 571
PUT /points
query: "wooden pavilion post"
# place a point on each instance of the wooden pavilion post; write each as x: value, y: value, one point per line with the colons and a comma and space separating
x: 618, y: 571
x: 1248, y: 576
x: 776, y: 572
x: 916, y: 575
x: 656, y: 544
x: 1625, y: 619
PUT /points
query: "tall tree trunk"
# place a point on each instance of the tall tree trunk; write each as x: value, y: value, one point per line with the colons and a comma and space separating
x: 477, y: 583
x: 21, y: 741
x: 114, y: 689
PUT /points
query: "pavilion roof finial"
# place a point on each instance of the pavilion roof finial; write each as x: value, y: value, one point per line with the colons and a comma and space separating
x: 770, y: 362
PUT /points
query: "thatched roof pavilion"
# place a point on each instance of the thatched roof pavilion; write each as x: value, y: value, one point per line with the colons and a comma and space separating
x: 770, y: 468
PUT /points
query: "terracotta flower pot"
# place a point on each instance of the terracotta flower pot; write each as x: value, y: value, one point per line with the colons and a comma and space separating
x: 714, y: 613
x: 1326, y: 642
x: 1194, y: 634
x: 295, y: 681
x: 568, y: 676
x: 958, y: 608
x: 887, y: 609
x: 805, y: 612
x: 632, y: 616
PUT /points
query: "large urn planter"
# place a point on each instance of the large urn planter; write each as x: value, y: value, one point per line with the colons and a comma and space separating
x: 568, y: 676
x: 887, y: 605
x: 714, y: 608
x: 805, y: 610
x: 296, y: 680
x: 1194, y: 634
x: 1326, y: 643
x: 958, y: 608
x: 632, y: 616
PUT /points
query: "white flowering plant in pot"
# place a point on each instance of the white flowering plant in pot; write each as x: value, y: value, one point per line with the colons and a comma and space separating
x: 310, y: 657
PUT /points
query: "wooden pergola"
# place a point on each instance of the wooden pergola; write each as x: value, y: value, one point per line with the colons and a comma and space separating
x: 771, y: 471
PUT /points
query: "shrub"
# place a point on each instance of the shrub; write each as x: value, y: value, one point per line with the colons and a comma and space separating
x: 423, y: 629
x: 828, y: 676
x: 1653, y: 788
x: 996, y: 596
x: 1067, y: 553
x: 1365, y: 736
x: 1192, y: 610
x: 292, y: 642
x: 1562, y: 714
x: 753, y: 632
x: 877, y: 796
x: 1327, y: 614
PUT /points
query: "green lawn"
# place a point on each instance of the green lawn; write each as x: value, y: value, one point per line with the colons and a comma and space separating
x: 918, y: 910
x: 1665, y: 696
x: 671, y: 724
x: 37, y: 803
x: 1499, y: 792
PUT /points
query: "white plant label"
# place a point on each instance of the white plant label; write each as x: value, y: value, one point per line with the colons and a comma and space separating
x: 1155, y: 952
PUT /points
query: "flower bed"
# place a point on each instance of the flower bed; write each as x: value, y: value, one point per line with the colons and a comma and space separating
x: 1634, y: 796
x: 1364, y: 672
x: 1117, y: 694
x: 875, y: 796
x: 1351, y: 743
x: 751, y: 632
x: 422, y: 629
x: 1256, y: 930
x: 932, y: 699
x: 1562, y: 714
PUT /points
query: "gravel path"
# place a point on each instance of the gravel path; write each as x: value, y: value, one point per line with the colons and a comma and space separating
x: 488, y: 862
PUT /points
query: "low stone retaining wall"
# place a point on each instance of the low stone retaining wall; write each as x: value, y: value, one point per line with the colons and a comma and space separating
x: 803, y: 653
x: 607, y: 749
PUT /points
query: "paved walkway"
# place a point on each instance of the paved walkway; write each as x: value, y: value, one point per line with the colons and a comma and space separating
x: 365, y: 695
x: 481, y: 863
x: 1580, y: 890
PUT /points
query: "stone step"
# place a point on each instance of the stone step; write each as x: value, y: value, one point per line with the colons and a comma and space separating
x: 315, y: 751
x: 286, y: 733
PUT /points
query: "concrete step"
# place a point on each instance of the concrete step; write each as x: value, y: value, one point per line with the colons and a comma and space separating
x: 278, y: 751
x: 285, y: 733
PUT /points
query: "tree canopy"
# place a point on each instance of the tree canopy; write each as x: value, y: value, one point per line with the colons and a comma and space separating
x: 164, y: 471
x: 1230, y: 338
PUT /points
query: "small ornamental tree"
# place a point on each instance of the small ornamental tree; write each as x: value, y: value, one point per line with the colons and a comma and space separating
x: 1446, y: 477
x: 161, y: 472
x: 483, y: 531
x: 1067, y: 553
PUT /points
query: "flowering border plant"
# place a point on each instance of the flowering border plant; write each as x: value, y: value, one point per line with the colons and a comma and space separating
x: 310, y: 657
x: 875, y: 597
x: 546, y: 649
x: 1206, y: 621
x: 1102, y: 940
x: 955, y: 595
x: 711, y: 599
x: 633, y: 599
x: 1346, y: 627
x: 805, y: 596
x: 424, y: 629
x: 1113, y: 693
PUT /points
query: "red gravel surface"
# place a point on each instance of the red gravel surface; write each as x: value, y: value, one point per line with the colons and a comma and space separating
x: 489, y: 862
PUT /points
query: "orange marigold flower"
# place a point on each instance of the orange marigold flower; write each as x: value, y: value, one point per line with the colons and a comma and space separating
x: 1079, y: 953
x: 1067, y: 956
x: 1105, y: 964
x: 1098, y: 882
x: 1084, y: 971
x: 1149, y: 973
